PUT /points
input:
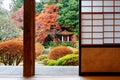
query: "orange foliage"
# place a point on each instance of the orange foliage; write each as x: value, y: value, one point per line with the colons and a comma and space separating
x: 48, y: 17
x: 59, y: 52
x: 45, y: 20
x: 38, y: 49
x: 11, y: 52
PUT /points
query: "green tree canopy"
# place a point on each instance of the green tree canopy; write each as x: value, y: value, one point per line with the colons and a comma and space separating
x: 7, y: 31
x: 69, y: 15
x: 16, y: 4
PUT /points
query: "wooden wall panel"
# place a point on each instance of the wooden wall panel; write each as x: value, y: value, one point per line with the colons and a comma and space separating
x: 100, y: 60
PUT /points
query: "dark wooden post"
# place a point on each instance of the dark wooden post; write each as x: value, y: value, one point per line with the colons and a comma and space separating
x: 29, y: 38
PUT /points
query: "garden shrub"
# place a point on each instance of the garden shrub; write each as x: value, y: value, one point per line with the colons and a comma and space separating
x: 51, y: 62
x: 66, y: 44
x: 39, y: 49
x: 59, y: 52
x: 75, y: 51
x: 42, y: 57
x: 11, y: 52
x: 68, y: 60
x: 44, y: 61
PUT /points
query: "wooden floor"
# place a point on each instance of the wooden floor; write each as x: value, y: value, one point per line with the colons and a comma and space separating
x: 69, y: 77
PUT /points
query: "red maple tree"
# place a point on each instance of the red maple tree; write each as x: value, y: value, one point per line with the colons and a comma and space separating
x: 44, y: 21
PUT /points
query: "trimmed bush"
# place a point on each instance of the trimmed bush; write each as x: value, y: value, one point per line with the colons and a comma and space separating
x: 68, y: 60
x: 51, y: 62
x: 66, y: 44
x: 59, y: 52
x: 75, y: 51
x: 11, y: 52
x: 42, y: 57
x: 44, y: 61
x: 39, y: 49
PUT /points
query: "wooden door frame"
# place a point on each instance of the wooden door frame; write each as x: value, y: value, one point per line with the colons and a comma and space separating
x: 29, y: 38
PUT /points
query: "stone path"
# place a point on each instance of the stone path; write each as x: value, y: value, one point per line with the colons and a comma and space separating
x: 42, y: 70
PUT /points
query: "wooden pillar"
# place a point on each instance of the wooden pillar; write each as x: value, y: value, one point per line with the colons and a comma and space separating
x: 29, y: 38
x: 68, y: 38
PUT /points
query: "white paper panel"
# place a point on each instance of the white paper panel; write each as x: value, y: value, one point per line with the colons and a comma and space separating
x: 117, y: 28
x: 86, y: 3
x: 108, y: 40
x: 108, y: 9
x: 117, y: 40
x: 97, y: 41
x: 117, y: 34
x: 108, y: 22
x: 98, y: 29
x: 86, y: 9
x: 97, y: 9
x: 117, y: 3
x: 108, y: 3
x: 108, y: 28
x: 97, y: 3
x: 86, y: 35
x: 108, y: 34
x: 86, y: 29
x: 86, y: 16
x: 97, y: 16
x: 117, y: 9
x: 108, y: 15
x: 97, y: 35
x: 97, y: 22
x: 117, y: 22
x: 86, y: 22
x: 117, y: 15
x: 86, y: 41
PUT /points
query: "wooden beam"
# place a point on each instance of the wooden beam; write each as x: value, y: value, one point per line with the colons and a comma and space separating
x: 29, y: 38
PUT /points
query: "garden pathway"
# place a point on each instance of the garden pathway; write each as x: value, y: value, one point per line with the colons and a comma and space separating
x: 42, y: 70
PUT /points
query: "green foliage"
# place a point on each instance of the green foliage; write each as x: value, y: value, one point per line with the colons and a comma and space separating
x: 51, y: 62
x: 42, y: 57
x: 69, y: 15
x: 39, y: 6
x: 50, y: 44
x: 59, y: 5
x: 7, y: 31
x: 75, y: 50
x: 45, y: 61
x: 53, y: 1
x: 68, y: 60
x: 65, y: 44
x: 71, y: 59
x: 16, y: 4
x: 77, y: 44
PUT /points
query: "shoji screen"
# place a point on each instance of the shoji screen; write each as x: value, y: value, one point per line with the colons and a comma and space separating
x: 100, y: 22
x: 100, y: 36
